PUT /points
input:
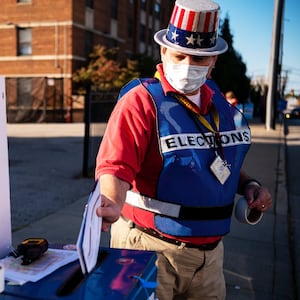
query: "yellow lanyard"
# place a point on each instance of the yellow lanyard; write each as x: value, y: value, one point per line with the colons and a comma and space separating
x: 216, y: 119
x: 193, y: 108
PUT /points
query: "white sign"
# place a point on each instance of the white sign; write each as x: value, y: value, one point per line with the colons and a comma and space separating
x: 5, y: 215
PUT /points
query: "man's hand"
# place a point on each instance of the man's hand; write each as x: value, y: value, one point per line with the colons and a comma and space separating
x: 109, y: 211
x: 258, y: 197
x: 113, y: 195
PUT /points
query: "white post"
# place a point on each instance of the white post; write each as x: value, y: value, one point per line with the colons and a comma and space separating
x: 5, y: 214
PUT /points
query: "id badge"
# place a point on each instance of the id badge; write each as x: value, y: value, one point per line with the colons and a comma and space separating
x: 220, y: 169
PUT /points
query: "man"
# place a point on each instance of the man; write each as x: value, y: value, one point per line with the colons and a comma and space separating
x: 231, y: 98
x: 170, y: 161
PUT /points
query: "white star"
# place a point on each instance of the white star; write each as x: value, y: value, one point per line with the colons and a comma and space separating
x: 190, y: 40
x: 213, y: 39
x: 174, y: 35
x: 199, y: 40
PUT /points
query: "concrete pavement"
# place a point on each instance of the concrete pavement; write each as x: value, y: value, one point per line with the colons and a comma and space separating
x: 48, y: 197
x: 257, y: 260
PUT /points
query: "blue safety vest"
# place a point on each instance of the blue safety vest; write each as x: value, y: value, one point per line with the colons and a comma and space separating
x: 187, y: 148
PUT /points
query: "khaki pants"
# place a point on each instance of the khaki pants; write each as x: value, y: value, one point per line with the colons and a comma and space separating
x: 182, y: 273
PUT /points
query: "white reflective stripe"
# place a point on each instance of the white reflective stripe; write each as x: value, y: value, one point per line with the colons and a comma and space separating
x: 183, y: 141
x: 150, y: 204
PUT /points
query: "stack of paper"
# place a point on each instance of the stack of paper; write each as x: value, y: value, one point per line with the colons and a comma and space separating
x: 88, y: 241
x: 87, y: 245
x: 45, y: 265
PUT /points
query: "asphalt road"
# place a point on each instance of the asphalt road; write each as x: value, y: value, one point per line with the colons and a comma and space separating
x: 57, y: 152
x: 45, y: 165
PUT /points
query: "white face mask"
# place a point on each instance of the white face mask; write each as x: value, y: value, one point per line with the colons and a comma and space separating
x: 185, y: 78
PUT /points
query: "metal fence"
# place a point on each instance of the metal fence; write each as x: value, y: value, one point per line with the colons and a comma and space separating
x: 98, y: 107
x: 35, y: 100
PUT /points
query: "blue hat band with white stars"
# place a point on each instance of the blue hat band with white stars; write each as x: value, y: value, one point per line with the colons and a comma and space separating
x: 191, y: 39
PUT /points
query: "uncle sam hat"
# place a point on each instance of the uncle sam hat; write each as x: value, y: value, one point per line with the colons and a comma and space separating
x: 193, y: 29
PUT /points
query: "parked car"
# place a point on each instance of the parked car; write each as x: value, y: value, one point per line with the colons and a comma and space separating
x: 293, y: 113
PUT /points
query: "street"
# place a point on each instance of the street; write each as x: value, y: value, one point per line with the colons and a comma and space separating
x: 45, y: 165
x: 48, y: 197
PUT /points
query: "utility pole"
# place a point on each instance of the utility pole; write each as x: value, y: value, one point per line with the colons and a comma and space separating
x: 274, y: 65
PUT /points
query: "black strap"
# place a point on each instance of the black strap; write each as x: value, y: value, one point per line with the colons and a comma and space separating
x: 152, y: 232
x: 206, y: 213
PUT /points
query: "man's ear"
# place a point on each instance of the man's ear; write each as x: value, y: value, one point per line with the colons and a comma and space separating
x: 162, y: 50
x: 162, y: 53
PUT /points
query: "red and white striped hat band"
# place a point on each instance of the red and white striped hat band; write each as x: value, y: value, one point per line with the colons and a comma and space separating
x: 194, y: 24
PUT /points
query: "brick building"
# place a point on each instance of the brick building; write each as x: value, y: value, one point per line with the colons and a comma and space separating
x: 44, y: 42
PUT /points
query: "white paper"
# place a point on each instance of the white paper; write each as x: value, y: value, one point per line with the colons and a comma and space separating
x: 2, y: 281
x: 5, y: 211
x: 45, y: 265
x: 88, y: 241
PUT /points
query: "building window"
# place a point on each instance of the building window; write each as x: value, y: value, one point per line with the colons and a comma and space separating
x: 114, y: 28
x: 142, y: 33
x: 89, y: 17
x: 89, y: 3
x: 24, y: 41
x: 130, y: 28
x: 114, y: 9
x: 157, y: 10
x: 143, y: 4
x: 151, y: 7
x: 89, y: 42
x: 150, y: 37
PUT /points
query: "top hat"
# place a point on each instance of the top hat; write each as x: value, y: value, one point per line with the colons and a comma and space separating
x: 193, y: 29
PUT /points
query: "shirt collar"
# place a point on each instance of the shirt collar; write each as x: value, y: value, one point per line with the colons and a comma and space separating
x: 206, y: 92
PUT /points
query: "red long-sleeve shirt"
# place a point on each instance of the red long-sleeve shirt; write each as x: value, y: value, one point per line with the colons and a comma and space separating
x: 130, y: 150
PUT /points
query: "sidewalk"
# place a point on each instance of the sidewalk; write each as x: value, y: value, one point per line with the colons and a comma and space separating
x: 257, y: 262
